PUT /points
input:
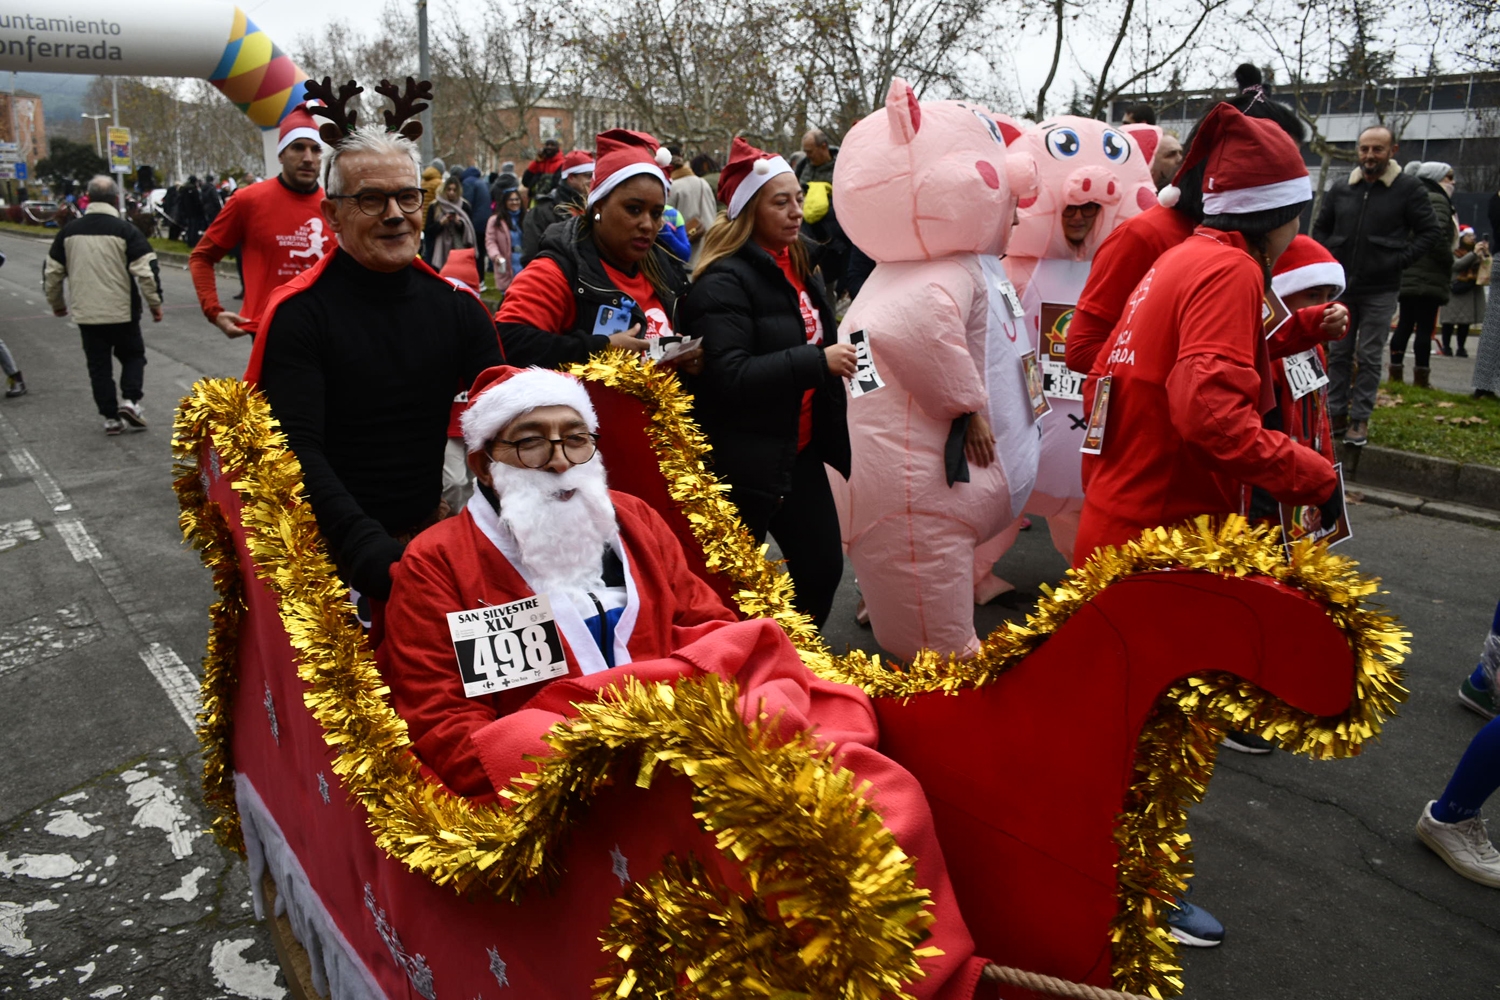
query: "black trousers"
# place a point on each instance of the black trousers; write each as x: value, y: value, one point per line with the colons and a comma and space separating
x: 1449, y: 329
x: 1418, y: 318
x: 805, y: 525
x: 123, y: 341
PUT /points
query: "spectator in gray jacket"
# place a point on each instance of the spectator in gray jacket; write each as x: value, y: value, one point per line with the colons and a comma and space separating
x: 1376, y: 223
x: 109, y: 268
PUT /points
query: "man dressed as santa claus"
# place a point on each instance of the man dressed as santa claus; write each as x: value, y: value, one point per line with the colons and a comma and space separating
x: 550, y: 588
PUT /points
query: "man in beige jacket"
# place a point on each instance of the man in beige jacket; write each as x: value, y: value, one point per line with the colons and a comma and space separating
x: 109, y: 267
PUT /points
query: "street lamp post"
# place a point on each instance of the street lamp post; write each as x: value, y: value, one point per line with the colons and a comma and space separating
x: 424, y: 71
x: 98, y: 147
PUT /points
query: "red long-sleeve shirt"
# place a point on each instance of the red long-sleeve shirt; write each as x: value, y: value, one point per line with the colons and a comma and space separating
x: 1189, y: 373
x: 280, y: 233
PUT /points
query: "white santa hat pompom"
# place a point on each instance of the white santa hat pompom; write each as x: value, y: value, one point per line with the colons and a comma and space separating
x: 663, y: 156
x: 762, y: 167
x: 503, y: 393
x: 1168, y: 196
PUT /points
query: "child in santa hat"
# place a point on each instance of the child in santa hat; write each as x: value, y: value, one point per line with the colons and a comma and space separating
x: 1306, y: 275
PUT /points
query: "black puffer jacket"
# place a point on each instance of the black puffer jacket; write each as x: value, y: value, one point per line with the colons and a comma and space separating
x: 1376, y: 230
x: 757, y: 365
x: 578, y: 259
x: 1430, y: 276
x: 556, y: 206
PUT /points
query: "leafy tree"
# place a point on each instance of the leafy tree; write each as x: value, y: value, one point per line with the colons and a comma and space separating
x: 69, y: 161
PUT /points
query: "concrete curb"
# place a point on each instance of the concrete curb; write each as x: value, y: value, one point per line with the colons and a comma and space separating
x: 1434, y: 480
x: 1421, y: 505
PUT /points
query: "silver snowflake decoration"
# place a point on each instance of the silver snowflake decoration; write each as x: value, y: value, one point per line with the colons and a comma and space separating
x: 415, y: 966
x: 323, y: 787
x: 497, y: 967
x: 619, y: 865
x: 270, y: 704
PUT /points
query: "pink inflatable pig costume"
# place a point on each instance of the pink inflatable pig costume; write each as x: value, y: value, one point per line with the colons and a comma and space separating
x: 1080, y: 161
x: 928, y: 190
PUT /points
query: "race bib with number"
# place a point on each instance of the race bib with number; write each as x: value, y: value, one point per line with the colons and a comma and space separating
x: 1007, y: 291
x: 866, y: 378
x: 1304, y: 373
x: 506, y: 647
x: 1061, y: 382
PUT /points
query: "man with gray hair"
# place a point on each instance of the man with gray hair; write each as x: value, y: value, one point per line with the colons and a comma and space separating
x: 361, y: 356
x: 109, y: 267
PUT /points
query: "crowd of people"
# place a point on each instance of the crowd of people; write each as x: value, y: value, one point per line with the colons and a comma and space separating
x: 1158, y: 291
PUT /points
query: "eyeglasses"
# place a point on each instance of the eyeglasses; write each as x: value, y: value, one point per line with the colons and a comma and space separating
x: 1087, y: 211
x: 373, y: 202
x: 536, y: 452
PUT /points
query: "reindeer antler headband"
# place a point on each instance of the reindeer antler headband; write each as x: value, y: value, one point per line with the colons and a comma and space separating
x: 341, y: 119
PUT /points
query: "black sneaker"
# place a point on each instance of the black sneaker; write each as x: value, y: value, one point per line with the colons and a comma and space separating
x: 1246, y: 742
x: 17, y: 386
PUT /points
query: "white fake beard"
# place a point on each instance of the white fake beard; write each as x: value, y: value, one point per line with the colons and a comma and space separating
x: 561, y: 540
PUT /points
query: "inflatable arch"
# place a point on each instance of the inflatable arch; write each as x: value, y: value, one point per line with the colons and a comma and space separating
x: 207, y: 39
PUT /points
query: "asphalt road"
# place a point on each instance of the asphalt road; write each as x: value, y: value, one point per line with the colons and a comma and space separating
x: 109, y: 886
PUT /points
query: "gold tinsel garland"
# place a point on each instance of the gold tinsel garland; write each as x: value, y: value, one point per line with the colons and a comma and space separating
x: 794, y: 821
x: 1175, y: 750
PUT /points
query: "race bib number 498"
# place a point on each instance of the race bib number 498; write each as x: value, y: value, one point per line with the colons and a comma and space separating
x: 508, y: 646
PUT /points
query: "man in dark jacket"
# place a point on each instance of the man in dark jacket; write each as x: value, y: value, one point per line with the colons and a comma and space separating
x: 575, y: 174
x: 477, y: 193
x: 1376, y: 224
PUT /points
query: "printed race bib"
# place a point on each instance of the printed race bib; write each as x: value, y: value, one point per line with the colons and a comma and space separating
x: 1039, y: 405
x: 866, y: 378
x: 1304, y: 373
x: 506, y: 647
x: 1093, y: 436
x: 1007, y: 291
x: 1061, y: 382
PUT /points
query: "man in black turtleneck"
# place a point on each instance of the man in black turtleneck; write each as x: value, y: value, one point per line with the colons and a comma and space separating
x: 361, y: 358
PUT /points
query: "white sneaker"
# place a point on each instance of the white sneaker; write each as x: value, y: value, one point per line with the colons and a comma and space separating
x: 1464, y: 845
x: 112, y: 426
x: 131, y: 414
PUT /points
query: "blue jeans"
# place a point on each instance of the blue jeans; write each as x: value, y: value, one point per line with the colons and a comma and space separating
x: 1370, y: 324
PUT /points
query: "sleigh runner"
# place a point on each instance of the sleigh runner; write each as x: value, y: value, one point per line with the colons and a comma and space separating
x: 665, y: 848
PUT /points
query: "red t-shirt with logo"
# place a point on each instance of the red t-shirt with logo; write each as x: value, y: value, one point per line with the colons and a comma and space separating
x: 812, y: 322
x: 280, y: 233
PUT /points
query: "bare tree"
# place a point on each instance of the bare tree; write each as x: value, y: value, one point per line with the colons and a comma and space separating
x: 494, y: 65
x: 182, y: 126
x: 342, y: 52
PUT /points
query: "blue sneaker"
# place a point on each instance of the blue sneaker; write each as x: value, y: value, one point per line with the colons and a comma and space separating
x: 1195, y: 926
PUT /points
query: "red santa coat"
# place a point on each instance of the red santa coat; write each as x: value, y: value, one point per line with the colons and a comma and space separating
x: 1190, y: 378
x: 673, y: 626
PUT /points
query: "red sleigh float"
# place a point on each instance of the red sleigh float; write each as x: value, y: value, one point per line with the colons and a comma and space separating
x: 308, y: 769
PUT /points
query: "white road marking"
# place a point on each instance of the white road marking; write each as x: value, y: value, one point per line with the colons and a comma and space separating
x: 188, y: 890
x: 176, y: 680
x: 67, y: 823
x: 76, y: 536
x: 256, y: 980
x: 13, y: 533
x: 39, y: 866
x: 157, y: 808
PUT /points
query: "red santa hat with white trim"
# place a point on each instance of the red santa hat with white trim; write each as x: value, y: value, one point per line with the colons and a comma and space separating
x: 298, y: 124
x: 1249, y: 165
x: 746, y: 173
x: 576, y: 162
x: 1305, y: 264
x: 624, y: 154
x: 503, y: 393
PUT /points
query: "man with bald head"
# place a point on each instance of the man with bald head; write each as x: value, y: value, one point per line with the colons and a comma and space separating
x: 1376, y: 222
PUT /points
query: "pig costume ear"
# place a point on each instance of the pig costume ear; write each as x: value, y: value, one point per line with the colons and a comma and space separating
x: 903, y: 112
x: 1020, y: 169
x: 1148, y: 137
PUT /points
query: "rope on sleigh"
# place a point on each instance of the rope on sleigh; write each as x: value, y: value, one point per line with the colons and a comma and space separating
x: 1051, y: 985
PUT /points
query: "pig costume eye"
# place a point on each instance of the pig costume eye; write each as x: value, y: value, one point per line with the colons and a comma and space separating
x: 1063, y: 143
x: 1115, y: 146
x: 989, y: 123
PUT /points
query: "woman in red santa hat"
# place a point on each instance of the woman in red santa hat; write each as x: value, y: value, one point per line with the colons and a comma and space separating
x: 601, y: 280
x: 771, y: 397
x: 1176, y: 396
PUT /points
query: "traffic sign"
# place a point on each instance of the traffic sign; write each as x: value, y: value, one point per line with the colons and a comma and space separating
x: 9, y: 147
x: 8, y: 172
x: 21, y: 173
x: 9, y: 156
